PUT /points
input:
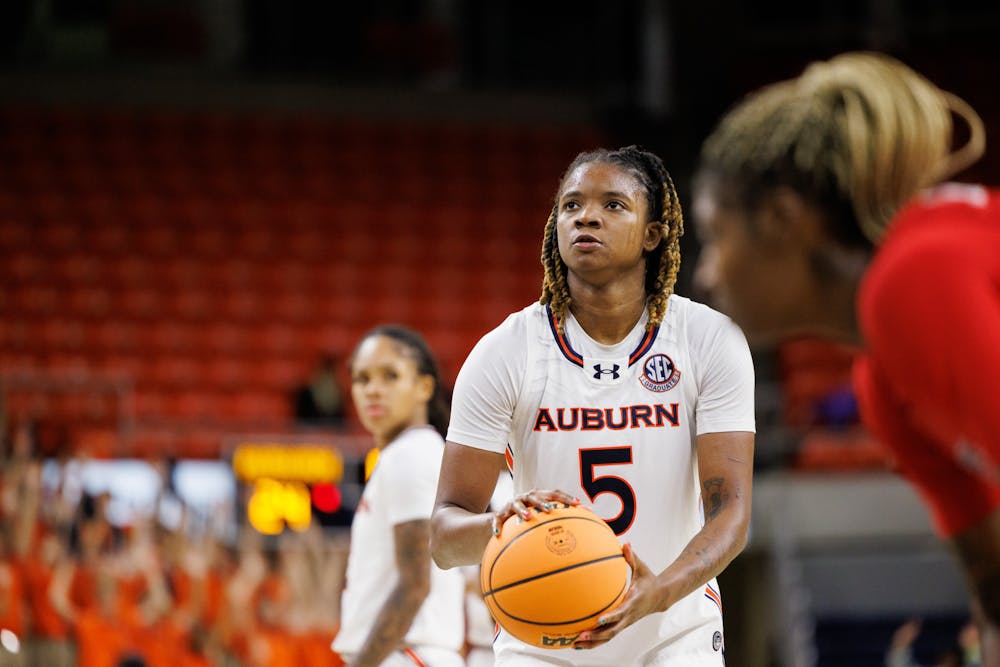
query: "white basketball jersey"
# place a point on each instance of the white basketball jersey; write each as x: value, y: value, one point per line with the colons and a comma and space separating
x: 616, y: 427
x: 401, y: 489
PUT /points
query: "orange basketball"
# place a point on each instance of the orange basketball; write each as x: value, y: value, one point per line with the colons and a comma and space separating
x: 546, y: 579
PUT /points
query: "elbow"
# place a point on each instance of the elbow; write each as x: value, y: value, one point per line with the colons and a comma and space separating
x: 741, y: 537
x: 439, y: 548
x: 420, y: 589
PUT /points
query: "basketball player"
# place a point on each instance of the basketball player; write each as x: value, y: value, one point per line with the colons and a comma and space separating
x: 615, y: 391
x: 398, y: 609
x: 813, y: 207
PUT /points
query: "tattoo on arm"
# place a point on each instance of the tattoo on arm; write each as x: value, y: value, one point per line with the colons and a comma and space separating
x: 715, y: 497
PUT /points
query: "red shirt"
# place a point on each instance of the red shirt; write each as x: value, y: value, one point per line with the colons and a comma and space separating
x: 929, y: 382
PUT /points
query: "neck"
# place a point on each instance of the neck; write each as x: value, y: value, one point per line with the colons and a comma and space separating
x: 835, y: 315
x: 607, y: 312
x: 834, y: 310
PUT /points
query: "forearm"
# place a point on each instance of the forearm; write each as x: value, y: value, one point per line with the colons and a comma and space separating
x: 705, y: 556
x: 458, y: 536
x: 391, y: 624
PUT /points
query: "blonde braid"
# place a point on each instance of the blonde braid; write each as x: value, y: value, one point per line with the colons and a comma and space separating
x: 555, y: 291
x: 668, y: 262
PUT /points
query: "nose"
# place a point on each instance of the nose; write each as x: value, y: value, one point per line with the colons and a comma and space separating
x: 589, y: 215
x: 372, y: 389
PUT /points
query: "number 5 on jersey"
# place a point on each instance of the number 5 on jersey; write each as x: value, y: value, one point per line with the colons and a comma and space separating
x: 597, y: 485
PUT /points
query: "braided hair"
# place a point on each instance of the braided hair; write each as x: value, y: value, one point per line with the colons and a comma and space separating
x: 662, y: 263
x: 857, y: 135
x: 438, y: 407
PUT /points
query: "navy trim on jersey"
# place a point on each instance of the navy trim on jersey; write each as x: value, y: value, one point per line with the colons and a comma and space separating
x: 575, y: 357
x: 562, y: 341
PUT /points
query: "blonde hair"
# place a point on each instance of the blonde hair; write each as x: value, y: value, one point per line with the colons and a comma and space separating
x: 662, y: 264
x: 861, y: 129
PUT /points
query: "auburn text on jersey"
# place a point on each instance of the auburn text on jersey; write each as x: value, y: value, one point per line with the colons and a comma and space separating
x: 615, y: 419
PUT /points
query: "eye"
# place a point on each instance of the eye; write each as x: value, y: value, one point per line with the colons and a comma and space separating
x: 614, y: 204
x: 359, y: 378
x: 570, y: 205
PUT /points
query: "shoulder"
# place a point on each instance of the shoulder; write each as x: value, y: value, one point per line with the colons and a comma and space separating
x: 943, y: 233
x: 947, y: 218
x: 412, y: 449
x: 507, y: 341
x: 415, y: 442
x: 513, y: 329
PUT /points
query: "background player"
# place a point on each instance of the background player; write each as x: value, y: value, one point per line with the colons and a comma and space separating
x: 398, y: 608
x: 613, y: 389
x: 797, y: 187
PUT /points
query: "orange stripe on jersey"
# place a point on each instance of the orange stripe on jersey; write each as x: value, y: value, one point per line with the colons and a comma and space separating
x: 644, y: 345
x: 567, y: 349
x: 509, y: 455
x: 412, y: 655
x: 713, y: 596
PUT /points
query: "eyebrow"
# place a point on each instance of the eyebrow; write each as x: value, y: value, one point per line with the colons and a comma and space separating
x: 610, y: 194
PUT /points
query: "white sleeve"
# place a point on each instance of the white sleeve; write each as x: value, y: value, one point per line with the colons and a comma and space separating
x: 487, y: 388
x: 726, y: 386
x: 411, y: 475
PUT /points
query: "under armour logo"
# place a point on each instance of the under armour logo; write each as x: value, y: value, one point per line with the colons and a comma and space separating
x: 613, y: 371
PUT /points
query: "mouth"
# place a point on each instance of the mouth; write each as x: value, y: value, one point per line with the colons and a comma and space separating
x: 374, y: 410
x: 586, y: 241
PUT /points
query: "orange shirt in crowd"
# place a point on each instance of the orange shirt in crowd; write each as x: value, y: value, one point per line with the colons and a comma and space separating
x: 271, y: 647
x: 46, y: 621
x: 214, y: 597
x: 11, y: 597
x: 83, y: 587
x: 315, y: 650
x: 162, y: 644
x: 101, y: 640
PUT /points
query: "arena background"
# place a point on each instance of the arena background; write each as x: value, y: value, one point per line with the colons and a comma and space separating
x: 202, y: 200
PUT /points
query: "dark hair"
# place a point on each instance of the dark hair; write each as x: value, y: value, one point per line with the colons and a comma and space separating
x: 438, y: 407
x: 662, y: 264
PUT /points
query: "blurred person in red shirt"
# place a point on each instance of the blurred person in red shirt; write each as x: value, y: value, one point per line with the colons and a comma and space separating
x: 820, y: 208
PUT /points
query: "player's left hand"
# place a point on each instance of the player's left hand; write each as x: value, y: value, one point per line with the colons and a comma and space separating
x: 641, y: 600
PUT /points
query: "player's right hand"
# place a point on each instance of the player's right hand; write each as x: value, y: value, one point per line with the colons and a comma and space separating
x: 542, y: 500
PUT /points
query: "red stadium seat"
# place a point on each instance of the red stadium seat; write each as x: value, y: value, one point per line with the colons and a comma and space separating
x: 209, y: 259
x: 168, y: 372
x: 228, y: 374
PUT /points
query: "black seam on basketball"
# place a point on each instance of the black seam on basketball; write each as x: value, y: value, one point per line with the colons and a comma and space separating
x: 575, y: 620
x: 551, y: 572
x: 500, y: 553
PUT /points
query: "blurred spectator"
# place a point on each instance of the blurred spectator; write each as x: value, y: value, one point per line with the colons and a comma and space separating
x: 77, y: 590
x: 320, y: 402
x: 965, y: 652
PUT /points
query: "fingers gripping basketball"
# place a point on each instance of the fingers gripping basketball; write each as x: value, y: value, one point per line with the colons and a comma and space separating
x: 547, y: 578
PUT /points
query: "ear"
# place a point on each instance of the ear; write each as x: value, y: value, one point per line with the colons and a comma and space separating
x: 788, y: 221
x: 653, y: 235
x: 425, y: 388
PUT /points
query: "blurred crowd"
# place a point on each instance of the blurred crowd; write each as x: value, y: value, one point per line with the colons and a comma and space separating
x: 77, y: 589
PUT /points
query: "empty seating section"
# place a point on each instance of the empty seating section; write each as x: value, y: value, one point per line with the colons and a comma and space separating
x: 819, y: 403
x: 204, y: 262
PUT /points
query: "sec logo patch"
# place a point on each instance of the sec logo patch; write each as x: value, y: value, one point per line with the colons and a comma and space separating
x: 659, y: 373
